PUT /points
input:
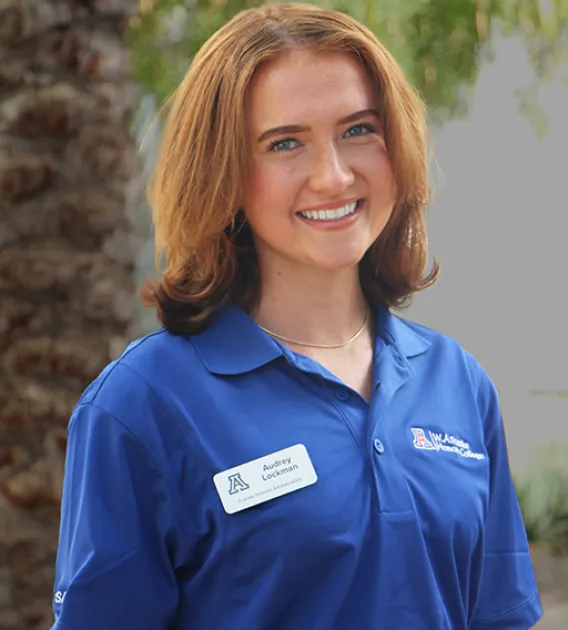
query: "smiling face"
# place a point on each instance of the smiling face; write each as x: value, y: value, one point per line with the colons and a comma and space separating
x: 321, y: 187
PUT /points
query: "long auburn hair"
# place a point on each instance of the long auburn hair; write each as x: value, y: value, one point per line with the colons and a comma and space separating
x: 201, y: 234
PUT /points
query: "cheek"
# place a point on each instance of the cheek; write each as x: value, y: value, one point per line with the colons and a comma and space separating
x: 270, y: 193
x: 383, y: 180
x: 372, y: 163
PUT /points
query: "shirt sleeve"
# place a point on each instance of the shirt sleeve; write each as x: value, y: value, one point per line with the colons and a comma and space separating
x: 113, y: 566
x: 508, y: 596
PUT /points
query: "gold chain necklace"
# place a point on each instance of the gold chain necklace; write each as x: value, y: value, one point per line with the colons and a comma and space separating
x: 322, y: 345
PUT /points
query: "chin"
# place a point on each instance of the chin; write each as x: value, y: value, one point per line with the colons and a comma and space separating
x: 339, y: 261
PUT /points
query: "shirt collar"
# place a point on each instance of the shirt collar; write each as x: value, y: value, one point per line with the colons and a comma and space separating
x: 233, y: 344
x: 400, y: 333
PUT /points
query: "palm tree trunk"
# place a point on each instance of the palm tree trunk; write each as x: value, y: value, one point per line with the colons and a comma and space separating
x: 67, y: 253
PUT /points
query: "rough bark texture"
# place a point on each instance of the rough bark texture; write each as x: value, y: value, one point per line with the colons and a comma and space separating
x: 67, y: 249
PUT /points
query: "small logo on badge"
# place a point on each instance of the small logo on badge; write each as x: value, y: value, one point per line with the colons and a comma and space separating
x: 237, y: 484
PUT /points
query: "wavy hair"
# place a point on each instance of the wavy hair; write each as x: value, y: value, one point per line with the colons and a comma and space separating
x: 201, y: 234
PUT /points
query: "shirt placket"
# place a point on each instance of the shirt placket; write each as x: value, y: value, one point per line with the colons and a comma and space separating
x: 391, y: 374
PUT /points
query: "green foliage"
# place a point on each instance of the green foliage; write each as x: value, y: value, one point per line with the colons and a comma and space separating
x: 161, y: 41
x: 543, y: 497
x: 438, y: 43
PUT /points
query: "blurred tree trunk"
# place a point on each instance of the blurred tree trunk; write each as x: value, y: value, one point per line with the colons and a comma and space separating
x: 67, y: 250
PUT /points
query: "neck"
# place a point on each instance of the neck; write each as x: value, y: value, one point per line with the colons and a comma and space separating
x: 315, y: 307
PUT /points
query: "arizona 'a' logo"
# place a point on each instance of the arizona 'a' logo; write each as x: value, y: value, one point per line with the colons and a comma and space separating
x: 237, y: 484
x: 421, y: 441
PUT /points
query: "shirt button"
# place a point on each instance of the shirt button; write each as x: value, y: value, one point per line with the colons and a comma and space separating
x: 379, y: 446
x: 341, y: 395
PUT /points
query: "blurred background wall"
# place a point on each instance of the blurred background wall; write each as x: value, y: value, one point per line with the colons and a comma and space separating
x: 498, y: 226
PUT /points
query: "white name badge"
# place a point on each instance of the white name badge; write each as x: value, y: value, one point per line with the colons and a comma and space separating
x: 265, y: 478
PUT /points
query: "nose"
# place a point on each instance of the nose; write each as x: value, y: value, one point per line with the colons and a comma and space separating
x: 330, y: 175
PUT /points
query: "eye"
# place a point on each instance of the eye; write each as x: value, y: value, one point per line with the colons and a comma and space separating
x: 363, y: 129
x: 278, y: 146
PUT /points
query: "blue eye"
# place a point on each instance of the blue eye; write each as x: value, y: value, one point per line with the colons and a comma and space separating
x: 278, y: 146
x: 359, y: 130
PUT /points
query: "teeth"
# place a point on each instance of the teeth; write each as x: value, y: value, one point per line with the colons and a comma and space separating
x: 330, y: 215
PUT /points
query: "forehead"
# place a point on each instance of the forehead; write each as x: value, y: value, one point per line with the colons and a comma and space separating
x: 305, y: 84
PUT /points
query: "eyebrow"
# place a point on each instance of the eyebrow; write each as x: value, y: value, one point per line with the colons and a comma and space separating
x: 284, y: 129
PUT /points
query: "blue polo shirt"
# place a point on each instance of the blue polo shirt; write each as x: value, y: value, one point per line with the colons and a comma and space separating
x: 412, y: 524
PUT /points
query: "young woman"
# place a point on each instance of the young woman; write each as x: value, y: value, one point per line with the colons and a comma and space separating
x: 285, y: 452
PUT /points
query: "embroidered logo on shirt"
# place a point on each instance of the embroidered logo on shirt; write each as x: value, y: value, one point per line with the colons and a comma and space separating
x: 432, y: 441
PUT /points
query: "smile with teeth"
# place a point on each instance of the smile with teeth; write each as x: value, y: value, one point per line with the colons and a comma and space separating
x: 330, y: 215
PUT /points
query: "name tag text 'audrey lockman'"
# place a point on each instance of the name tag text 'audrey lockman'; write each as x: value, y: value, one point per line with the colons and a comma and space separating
x: 265, y: 478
